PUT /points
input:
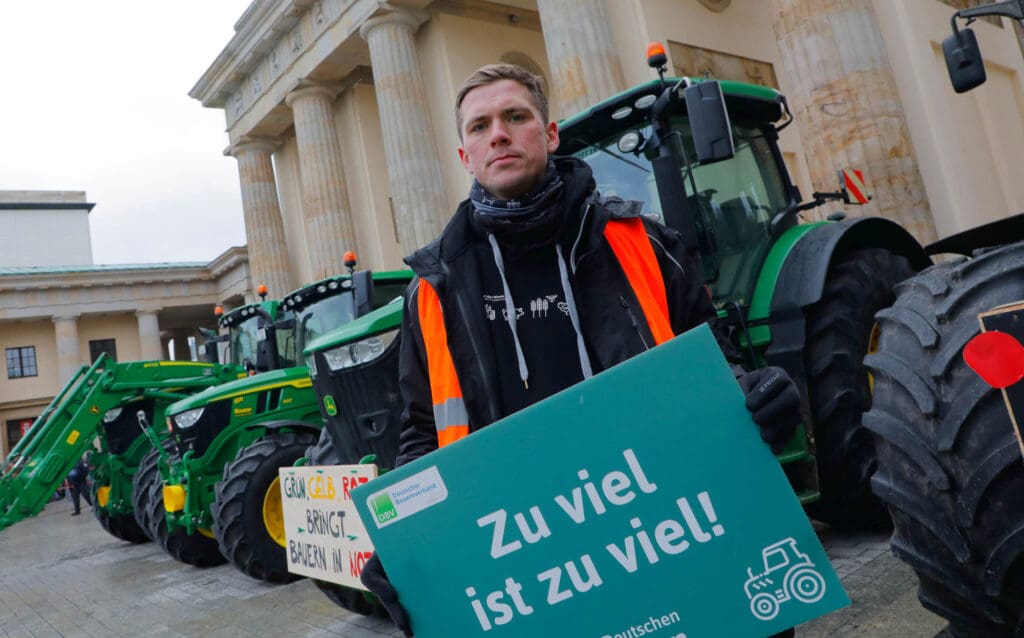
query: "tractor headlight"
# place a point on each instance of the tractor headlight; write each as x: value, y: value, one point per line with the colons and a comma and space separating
x: 112, y: 415
x: 358, y: 353
x: 188, y: 418
x: 311, y: 364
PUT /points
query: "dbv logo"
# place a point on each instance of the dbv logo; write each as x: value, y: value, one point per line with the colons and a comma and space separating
x: 383, y: 509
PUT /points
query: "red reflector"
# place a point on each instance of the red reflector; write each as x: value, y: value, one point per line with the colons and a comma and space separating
x: 997, y: 357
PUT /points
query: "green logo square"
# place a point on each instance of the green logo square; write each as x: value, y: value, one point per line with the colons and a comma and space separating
x: 383, y: 509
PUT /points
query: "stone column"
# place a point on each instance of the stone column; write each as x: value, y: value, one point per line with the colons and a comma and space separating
x: 843, y: 93
x: 149, y: 336
x: 264, y: 229
x: 329, y: 230
x: 585, y: 66
x: 414, y: 170
x: 69, y: 359
x: 182, y: 352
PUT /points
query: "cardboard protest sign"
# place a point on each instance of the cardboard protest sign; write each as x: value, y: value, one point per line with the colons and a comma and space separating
x: 324, y: 537
x: 1007, y: 319
x: 640, y: 502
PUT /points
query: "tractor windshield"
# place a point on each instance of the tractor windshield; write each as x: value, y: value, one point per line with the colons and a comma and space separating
x: 246, y: 336
x: 322, y: 316
x: 244, y: 339
x: 734, y: 200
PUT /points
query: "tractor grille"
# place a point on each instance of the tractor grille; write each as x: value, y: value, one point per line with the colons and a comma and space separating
x: 369, y: 408
x: 122, y: 431
x: 197, y: 438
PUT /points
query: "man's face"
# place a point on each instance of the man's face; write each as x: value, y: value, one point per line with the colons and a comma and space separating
x: 505, y: 143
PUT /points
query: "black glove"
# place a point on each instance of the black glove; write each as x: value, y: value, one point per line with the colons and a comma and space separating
x: 774, y: 402
x: 376, y: 580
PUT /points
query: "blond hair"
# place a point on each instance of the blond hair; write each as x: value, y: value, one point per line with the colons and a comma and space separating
x: 495, y: 72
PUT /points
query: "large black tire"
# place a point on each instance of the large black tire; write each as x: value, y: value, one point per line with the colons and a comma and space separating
x: 859, y: 283
x: 949, y: 466
x: 194, y: 549
x: 142, y: 484
x: 121, y: 526
x: 245, y: 520
x: 354, y: 600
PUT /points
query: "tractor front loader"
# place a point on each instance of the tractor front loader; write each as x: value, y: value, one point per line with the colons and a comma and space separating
x: 96, y: 412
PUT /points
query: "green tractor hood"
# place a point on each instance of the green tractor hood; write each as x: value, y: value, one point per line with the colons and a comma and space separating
x: 297, y: 377
x: 387, y: 317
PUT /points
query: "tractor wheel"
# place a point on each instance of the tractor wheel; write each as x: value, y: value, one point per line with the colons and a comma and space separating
x: 949, y: 466
x: 199, y: 549
x: 354, y: 600
x: 142, y: 482
x: 248, y: 519
x: 840, y: 327
x: 764, y: 606
x: 122, y: 526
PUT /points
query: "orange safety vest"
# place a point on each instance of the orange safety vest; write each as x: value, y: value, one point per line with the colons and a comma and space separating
x: 628, y: 240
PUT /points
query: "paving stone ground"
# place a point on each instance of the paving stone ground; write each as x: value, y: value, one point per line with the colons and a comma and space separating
x: 64, y: 576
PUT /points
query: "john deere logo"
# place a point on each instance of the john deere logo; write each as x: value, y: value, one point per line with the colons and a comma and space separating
x: 383, y: 509
x: 330, y: 406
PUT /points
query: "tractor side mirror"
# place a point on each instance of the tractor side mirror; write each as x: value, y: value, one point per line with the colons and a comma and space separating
x: 963, y: 60
x: 709, y: 121
x: 362, y: 290
x: 265, y: 355
x: 208, y: 350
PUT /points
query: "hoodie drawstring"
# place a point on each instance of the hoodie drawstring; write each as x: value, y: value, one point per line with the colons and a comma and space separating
x: 510, y: 312
x: 574, y: 315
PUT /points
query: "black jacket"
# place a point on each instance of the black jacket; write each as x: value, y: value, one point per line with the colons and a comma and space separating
x: 611, y: 318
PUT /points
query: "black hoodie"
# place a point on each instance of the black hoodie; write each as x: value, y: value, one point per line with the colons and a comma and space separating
x: 611, y: 320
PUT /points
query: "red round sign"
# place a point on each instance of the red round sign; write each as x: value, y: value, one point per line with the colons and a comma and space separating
x: 997, y: 357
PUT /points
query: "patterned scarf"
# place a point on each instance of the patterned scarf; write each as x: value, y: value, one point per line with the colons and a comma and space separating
x: 523, y: 208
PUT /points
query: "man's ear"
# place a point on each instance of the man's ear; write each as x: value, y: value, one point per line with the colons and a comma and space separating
x: 553, y: 141
x: 464, y: 156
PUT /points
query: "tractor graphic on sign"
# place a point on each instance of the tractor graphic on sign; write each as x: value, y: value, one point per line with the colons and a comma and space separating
x: 788, y: 573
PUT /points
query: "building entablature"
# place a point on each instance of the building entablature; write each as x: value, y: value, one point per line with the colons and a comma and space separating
x: 275, y: 50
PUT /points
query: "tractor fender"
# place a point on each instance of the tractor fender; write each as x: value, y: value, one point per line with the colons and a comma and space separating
x: 801, y: 282
x: 281, y: 424
x: 1002, y: 231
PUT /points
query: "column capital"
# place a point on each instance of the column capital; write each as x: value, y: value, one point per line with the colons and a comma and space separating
x: 307, y: 87
x: 142, y: 312
x: 408, y: 17
x: 66, y: 317
x: 254, y: 144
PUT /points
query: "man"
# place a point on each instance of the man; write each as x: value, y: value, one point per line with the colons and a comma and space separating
x: 78, y: 480
x: 536, y: 284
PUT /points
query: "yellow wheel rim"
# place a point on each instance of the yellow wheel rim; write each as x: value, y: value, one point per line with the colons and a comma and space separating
x: 205, y: 532
x: 873, y: 340
x: 273, y: 512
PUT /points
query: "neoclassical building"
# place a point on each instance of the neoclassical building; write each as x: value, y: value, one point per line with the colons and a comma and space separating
x: 59, y: 311
x: 339, y: 112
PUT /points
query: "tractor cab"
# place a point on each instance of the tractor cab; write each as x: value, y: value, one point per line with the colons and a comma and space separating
x: 259, y: 335
x: 321, y: 307
x: 256, y: 336
x: 731, y: 209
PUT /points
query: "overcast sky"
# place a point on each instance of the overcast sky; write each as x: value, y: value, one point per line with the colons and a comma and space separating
x: 95, y: 98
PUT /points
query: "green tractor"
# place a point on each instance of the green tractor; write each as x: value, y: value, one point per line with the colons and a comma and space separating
x: 949, y: 460
x: 216, y: 497
x: 703, y: 157
x: 96, y: 412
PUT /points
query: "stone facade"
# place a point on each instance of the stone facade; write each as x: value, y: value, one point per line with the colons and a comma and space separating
x: 865, y: 79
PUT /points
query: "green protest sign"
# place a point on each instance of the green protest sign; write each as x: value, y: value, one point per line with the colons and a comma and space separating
x: 639, y: 503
